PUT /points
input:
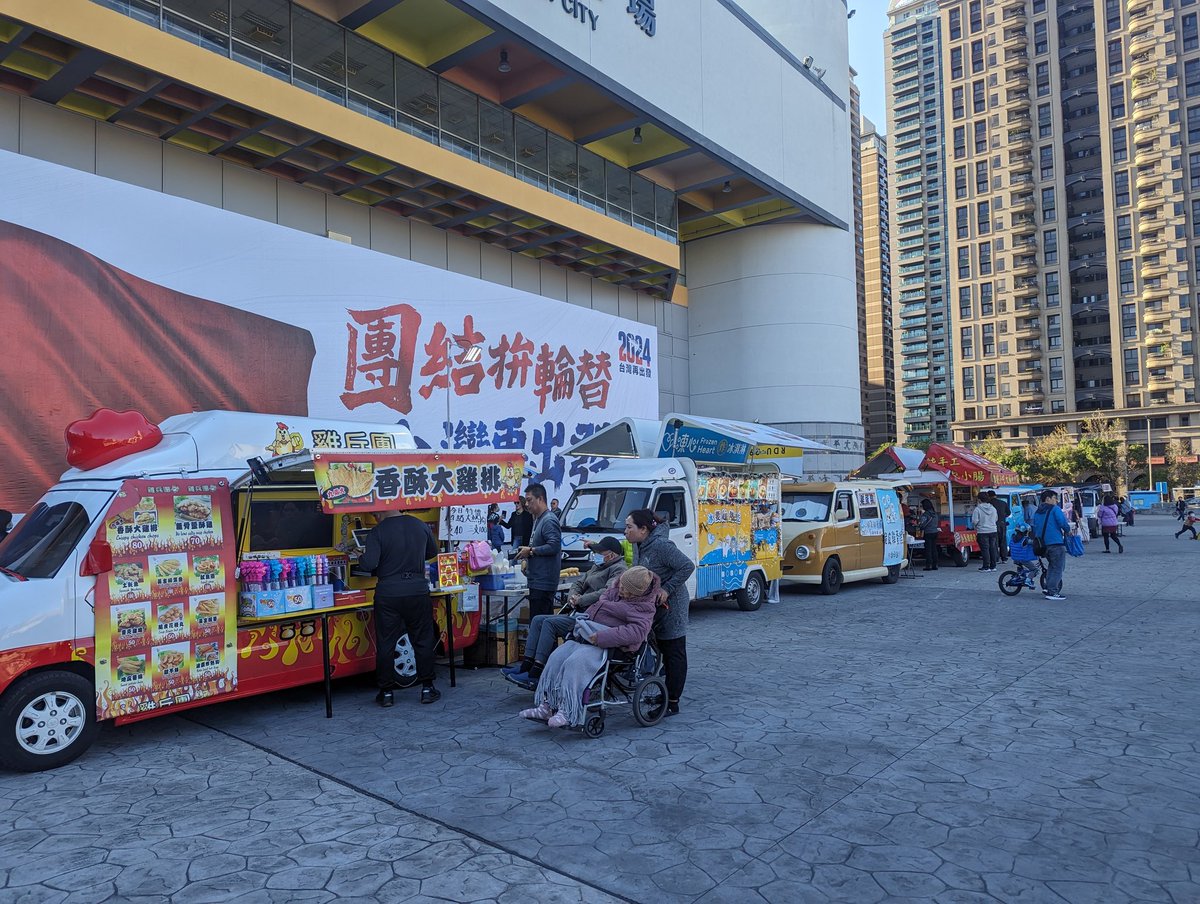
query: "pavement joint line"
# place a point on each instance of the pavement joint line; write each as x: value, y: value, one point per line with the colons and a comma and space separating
x: 414, y: 813
x: 778, y: 843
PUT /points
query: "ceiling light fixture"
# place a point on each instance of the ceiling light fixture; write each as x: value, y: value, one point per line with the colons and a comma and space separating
x: 726, y: 188
x: 637, y: 135
x: 504, y: 65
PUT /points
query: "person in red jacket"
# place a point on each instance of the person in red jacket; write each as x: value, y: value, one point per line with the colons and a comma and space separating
x: 621, y: 618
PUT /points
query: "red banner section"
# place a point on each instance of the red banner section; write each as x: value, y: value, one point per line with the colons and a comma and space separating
x: 966, y: 467
x: 417, y: 480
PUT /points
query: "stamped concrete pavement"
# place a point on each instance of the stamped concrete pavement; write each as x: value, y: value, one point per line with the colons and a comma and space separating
x: 931, y: 740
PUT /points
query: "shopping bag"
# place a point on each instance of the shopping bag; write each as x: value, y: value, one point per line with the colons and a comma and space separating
x: 1074, y: 546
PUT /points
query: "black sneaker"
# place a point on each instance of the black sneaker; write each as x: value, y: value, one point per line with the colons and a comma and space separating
x: 385, y: 699
x: 430, y: 695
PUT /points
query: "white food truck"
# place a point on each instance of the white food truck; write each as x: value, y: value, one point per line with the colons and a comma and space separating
x: 716, y: 481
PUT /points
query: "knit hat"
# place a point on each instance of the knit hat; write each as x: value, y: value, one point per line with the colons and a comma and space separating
x: 636, y: 581
x: 609, y: 544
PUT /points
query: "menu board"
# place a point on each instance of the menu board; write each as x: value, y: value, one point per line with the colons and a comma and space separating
x: 166, y: 626
x: 449, y: 573
x: 739, y: 524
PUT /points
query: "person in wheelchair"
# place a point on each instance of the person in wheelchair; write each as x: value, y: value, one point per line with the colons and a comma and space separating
x: 546, y: 630
x: 621, y: 618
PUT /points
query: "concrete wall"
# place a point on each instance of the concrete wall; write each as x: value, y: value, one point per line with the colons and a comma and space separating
x: 49, y: 133
x: 773, y: 318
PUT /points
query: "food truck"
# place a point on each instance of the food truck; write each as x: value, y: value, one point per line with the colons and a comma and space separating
x: 207, y: 558
x: 717, y: 482
x: 834, y: 533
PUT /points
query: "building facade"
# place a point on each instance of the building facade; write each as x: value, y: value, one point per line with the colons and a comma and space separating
x: 605, y: 157
x: 1073, y: 240
x: 879, y: 381
x: 923, y: 346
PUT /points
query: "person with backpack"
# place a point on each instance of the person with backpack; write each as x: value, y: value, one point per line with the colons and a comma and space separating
x: 1050, y: 531
x: 983, y: 519
x: 1110, y: 520
x: 928, y: 525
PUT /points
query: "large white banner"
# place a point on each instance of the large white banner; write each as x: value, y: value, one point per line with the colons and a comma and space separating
x: 463, y: 362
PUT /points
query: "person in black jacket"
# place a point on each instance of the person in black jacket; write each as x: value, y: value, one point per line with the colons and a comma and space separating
x: 520, y: 522
x: 930, y: 528
x: 396, y: 551
x: 1003, y: 513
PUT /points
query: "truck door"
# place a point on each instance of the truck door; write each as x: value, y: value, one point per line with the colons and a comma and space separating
x: 845, y: 529
x: 673, y: 502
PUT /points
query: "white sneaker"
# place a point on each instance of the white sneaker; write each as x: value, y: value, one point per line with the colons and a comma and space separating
x: 1055, y: 597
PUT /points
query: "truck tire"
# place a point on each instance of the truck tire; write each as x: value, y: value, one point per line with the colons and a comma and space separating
x: 46, y: 720
x: 831, y: 577
x: 750, y: 598
x: 959, y: 556
x: 892, y: 576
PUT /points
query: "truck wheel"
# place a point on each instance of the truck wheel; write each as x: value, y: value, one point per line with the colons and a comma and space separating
x: 831, y: 577
x: 892, y: 576
x: 46, y: 720
x: 959, y: 556
x: 750, y: 598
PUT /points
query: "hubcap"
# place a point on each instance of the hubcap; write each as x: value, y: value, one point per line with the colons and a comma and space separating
x: 50, y: 723
x: 754, y: 590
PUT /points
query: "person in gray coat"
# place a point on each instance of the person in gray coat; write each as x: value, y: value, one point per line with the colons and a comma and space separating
x: 653, y: 549
x: 544, y: 552
x: 588, y: 589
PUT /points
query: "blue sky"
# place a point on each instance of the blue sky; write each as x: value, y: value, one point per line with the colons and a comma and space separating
x: 866, y: 56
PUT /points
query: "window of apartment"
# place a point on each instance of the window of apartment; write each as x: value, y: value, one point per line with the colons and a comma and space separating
x: 1116, y: 59
x: 976, y: 16
x: 1054, y: 330
x: 1045, y: 121
x: 985, y: 299
x: 962, y: 217
x: 983, y: 218
x: 960, y: 182
x: 1048, y: 209
x: 989, y: 338
x: 960, y: 142
x: 977, y: 56
x: 981, y: 177
x: 1042, y: 76
x: 1121, y: 188
x: 1193, y: 124
x: 957, y: 105
x: 964, y: 302
x: 985, y: 258
x: 964, y: 262
x: 989, y: 381
x: 968, y: 382
x: 966, y: 339
x: 956, y: 63
x: 1189, y: 32
x: 1133, y: 371
x: 1040, y: 43
x: 981, y: 138
x: 1191, y: 78
x: 1125, y: 274
x: 1050, y: 246
x: 1124, y: 232
x: 1039, y: 6
x: 979, y: 97
x: 1052, y: 289
x: 1046, y: 161
x: 1116, y: 100
x: 1120, y: 146
x: 955, y: 24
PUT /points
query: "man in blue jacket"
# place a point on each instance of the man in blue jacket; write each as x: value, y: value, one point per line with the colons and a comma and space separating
x: 1051, y: 527
x: 544, y: 552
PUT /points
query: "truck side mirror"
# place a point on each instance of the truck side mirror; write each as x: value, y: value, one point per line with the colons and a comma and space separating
x: 98, y: 559
x: 841, y: 515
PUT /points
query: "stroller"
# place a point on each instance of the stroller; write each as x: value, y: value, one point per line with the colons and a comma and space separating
x: 627, y: 679
x: 1029, y: 565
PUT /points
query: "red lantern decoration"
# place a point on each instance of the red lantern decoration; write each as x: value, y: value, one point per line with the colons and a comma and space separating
x: 108, y: 435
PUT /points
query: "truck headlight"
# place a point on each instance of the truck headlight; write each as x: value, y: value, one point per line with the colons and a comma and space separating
x: 802, y: 553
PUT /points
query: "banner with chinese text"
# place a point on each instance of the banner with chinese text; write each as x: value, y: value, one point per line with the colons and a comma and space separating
x: 166, y: 625
x: 221, y: 311
x: 739, y: 517
x: 382, y: 482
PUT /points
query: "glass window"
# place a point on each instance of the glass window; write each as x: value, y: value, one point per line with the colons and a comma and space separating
x: 1116, y: 100
x: 642, y: 199
x: 289, y: 524
x: 496, y: 141
x: 532, y: 163
x: 369, y: 72
x: 673, y: 504
x: 603, y: 510
x: 319, y: 52
x: 200, y: 22
x: 1050, y: 246
x: 263, y: 35
x: 42, y: 540
x: 459, y: 118
x: 618, y: 191
x: 1120, y: 145
x: 564, y: 166
x: 806, y: 506
x: 416, y: 92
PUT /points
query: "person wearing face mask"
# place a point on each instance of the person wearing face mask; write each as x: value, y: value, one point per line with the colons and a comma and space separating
x: 609, y: 564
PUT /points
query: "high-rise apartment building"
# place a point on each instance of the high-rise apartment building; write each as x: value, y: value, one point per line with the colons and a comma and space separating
x: 879, y: 379
x: 1074, y: 198
x: 924, y: 364
x: 860, y: 273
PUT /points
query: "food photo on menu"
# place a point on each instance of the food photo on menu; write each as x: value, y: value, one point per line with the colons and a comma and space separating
x: 127, y: 581
x: 206, y: 656
x: 205, y: 610
x: 171, y: 663
x: 131, y: 622
x: 193, y: 511
x: 170, y: 623
x: 206, y: 573
x: 130, y: 670
x: 170, y: 573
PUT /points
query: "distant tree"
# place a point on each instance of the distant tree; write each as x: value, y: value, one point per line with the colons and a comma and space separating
x: 1180, y: 471
x: 1055, y: 458
x: 1099, y: 447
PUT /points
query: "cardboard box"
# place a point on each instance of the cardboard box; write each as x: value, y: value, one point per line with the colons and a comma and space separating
x: 489, y: 650
x: 322, y: 596
x: 261, y: 603
x: 297, y: 599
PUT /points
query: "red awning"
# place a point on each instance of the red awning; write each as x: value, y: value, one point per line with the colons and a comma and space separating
x: 966, y: 467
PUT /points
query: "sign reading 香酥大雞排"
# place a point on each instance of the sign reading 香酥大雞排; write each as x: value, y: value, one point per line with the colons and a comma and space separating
x: 415, y: 480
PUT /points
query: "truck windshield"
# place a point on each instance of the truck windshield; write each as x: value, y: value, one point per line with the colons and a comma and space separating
x: 603, y: 509
x: 806, y: 506
x: 42, y: 540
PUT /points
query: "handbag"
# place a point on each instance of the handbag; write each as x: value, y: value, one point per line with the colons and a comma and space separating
x: 1074, y: 546
x: 479, y: 556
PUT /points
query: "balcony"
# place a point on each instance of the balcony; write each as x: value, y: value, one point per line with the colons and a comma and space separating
x: 1020, y: 140
x: 1147, y: 154
x: 1024, y: 225
x: 1144, y: 87
x: 1024, y: 266
x: 1092, y: 348
x: 1017, y: 78
x: 1016, y: 38
x: 1088, y: 304
x: 1143, y: 41
x: 1138, y: 8
x: 1163, y: 378
x: 1022, y: 202
x: 1154, y: 244
x: 1161, y: 352
x: 1026, y: 288
x: 1029, y: 351
x: 1031, y: 391
x: 1159, y: 315
x: 1150, y: 200
x: 1020, y: 163
x: 1155, y: 269
x: 1150, y: 226
x: 1026, y: 329
x: 1152, y: 293
x: 1148, y: 178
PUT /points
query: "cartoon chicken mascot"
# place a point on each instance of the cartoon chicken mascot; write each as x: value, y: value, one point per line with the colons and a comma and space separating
x: 285, y: 442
